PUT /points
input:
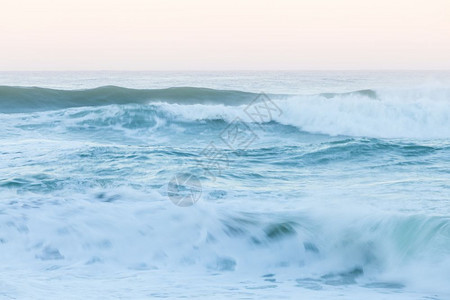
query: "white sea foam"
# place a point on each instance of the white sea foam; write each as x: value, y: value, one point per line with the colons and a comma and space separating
x: 392, y: 114
x: 84, y: 211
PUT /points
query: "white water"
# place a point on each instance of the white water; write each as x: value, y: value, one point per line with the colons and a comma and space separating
x: 84, y: 211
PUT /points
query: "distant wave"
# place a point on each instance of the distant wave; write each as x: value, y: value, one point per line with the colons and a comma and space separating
x: 368, y: 93
x: 409, y: 113
x: 15, y: 99
x: 27, y: 99
x: 412, y: 113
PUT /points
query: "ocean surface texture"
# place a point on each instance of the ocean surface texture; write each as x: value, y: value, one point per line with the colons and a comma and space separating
x: 264, y: 185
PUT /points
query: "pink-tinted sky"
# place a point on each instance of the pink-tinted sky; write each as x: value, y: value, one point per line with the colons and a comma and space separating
x: 224, y: 35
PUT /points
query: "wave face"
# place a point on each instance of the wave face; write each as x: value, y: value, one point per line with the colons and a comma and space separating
x: 337, y: 194
x: 419, y: 113
x: 28, y: 99
x: 381, y: 114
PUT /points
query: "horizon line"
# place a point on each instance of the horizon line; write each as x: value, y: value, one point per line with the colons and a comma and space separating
x: 236, y: 70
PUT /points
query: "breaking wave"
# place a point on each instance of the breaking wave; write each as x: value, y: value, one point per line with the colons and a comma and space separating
x: 420, y: 113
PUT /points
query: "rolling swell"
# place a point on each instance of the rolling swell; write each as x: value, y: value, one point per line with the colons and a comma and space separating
x: 413, y: 113
x: 368, y: 93
x: 29, y: 99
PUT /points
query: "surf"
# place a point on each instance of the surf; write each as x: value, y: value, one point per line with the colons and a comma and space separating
x: 29, y: 99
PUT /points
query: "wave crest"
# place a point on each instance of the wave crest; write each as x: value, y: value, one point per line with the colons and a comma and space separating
x: 29, y: 99
x: 413, y: 113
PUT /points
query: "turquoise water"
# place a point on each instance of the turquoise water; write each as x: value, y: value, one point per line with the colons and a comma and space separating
x: 337, y: 185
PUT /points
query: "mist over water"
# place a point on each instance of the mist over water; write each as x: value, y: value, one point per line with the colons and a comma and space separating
x: 341, y: 189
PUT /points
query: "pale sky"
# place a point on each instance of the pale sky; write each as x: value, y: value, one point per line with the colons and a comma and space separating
x: 224, y: 34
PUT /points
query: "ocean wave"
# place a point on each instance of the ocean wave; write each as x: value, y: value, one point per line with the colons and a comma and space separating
x: 29, y: 99
x: 423, y: 114
x: 341, y: 247
x: 414, y: 113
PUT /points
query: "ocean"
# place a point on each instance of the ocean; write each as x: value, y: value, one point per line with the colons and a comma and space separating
x: 214, y: 185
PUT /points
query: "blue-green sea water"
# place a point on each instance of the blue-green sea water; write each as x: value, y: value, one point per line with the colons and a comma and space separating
x: 306, y: 185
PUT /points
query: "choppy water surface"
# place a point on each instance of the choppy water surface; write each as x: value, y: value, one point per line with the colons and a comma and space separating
x: 331, y: 184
